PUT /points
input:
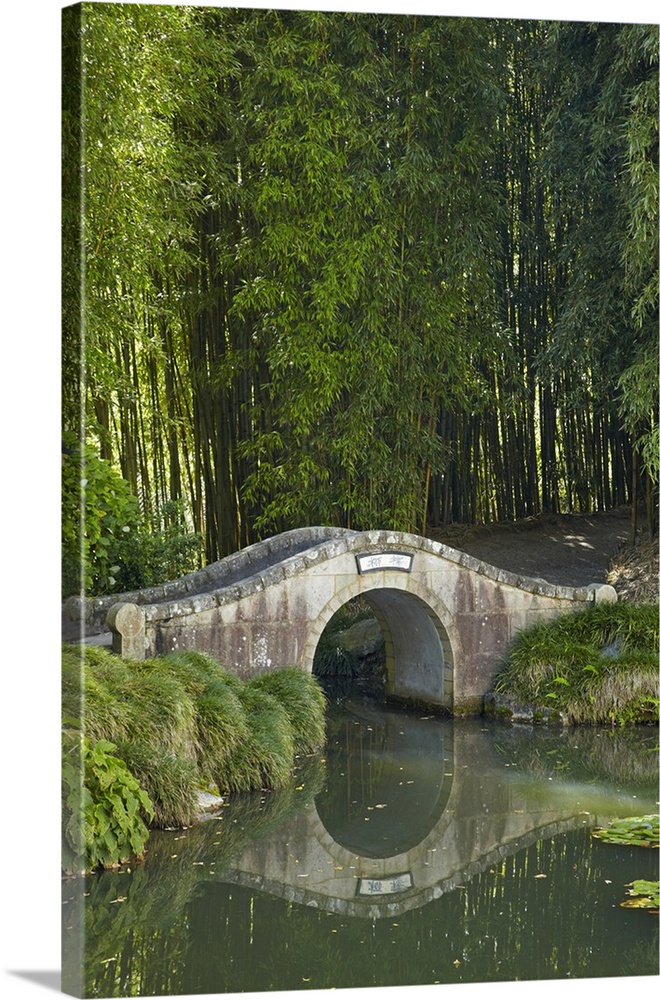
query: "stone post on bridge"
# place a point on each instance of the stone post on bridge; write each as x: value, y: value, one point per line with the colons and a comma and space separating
x: 127, y: 624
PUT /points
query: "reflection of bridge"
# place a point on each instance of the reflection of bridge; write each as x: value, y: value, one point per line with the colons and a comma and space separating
x: 446, y: 617
x: 486, y: 813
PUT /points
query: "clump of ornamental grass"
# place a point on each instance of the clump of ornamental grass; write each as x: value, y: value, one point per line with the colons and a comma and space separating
x: 268, y: 752
x: 162, y: 708
x: 181, y: 722
x: 169, y: 781
x: 93, y: 682
x: 634, y: 626
x: 594, y: 666
x: 302, y: 698
x: 220, y: 720
x: 197, y: 670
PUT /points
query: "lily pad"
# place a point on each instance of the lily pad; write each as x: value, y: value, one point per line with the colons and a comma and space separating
x: 641, y: 831
x: 644, y: 895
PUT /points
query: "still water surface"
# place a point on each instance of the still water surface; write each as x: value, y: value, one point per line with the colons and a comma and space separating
x: 416, y: 850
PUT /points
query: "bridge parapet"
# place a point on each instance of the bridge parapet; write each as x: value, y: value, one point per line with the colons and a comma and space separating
x: 90, y: 614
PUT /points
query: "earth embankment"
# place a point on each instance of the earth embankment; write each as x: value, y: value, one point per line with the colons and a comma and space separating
x: 566, y: 549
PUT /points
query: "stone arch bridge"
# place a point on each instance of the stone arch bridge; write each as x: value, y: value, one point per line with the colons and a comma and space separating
x: 446, y: 617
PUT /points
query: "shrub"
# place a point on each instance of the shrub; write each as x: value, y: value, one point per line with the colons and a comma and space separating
x: 92, y: 546
x: 163, y: 548
x: 596, y: 666
x: 114, y: 547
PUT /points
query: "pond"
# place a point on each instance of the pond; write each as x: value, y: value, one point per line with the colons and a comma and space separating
x: 415, y: 850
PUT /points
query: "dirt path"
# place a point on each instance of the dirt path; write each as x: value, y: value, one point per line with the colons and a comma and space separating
x: 569, y: 549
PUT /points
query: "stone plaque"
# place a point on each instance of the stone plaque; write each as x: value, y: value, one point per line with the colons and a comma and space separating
x: 384, y: 885
x: 369, y: 563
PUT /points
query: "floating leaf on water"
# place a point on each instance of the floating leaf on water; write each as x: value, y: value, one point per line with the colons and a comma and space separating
x: 641, y: 831
x: 638, y: 903
x: 645, y: 895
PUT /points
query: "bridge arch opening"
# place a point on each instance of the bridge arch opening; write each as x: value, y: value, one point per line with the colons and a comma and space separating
x: 397, y: 645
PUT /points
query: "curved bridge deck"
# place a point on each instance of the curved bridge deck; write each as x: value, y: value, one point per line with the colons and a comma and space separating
x: 446, y: 617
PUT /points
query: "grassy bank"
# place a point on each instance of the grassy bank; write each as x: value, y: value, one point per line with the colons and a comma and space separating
x: 141, y: 738
x: 597, y: 666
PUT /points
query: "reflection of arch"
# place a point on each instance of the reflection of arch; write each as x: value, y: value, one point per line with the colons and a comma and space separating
x: 387, y: 810
x: 422, y: 643
x: 340, y: 895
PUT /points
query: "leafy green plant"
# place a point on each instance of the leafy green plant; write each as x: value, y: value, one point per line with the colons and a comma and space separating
x: 164, y: 548
x: 98, y: 512
x: 104, y: 807
x: 108, y: 545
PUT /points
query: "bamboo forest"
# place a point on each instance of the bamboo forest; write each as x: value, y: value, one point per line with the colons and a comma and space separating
x: 355, y: 269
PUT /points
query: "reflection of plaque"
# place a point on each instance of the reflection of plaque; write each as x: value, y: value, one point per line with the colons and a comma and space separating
x: 384, y: 560
x: 385, y: 885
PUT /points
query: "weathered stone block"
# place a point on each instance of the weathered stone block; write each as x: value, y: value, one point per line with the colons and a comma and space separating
x: 127, y: 624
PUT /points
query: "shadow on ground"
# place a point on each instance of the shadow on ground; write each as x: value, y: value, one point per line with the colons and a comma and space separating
x: 566, y: 549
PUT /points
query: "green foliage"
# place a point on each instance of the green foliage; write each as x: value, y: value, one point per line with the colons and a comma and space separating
x: 598, y: 665
x: 308, y: 301
x: 365, y: 322
x: 107, y: 545
x: 175, y: 723
x: 98, y: 512
x: 104, y: 806
x: 164, y: 548
x: 635, y: 830
x: 644, y: 895
x: 302, y: 699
